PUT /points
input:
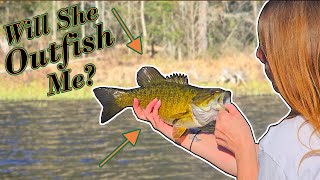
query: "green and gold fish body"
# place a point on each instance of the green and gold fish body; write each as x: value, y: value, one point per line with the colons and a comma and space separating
x: 182, y: 105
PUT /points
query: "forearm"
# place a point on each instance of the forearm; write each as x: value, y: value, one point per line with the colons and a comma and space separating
x: 206, y: 147
x: 247, y: 163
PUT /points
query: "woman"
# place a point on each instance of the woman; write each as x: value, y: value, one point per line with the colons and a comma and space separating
x: 289, y: 48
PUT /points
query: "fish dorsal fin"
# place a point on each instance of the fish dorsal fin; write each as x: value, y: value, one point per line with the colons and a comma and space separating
x: 177, y: 78
x: 147, y: 75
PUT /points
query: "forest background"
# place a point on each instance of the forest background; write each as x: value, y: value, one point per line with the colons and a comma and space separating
x: 213, y: 42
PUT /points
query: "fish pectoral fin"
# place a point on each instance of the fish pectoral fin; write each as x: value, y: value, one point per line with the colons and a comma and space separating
x: 179, y: 116
x: 178, y: 128
x: 178, y: 132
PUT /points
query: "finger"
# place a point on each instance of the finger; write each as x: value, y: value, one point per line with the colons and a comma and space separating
x: 219, y: 134
x: 153, y: 123
x: 216, y: 133
x: 155, y: 112
x: 222, y: 114
x: 156, y: 108
x: 138, y: 110
x: 150, y: 106
x: 221, y: 142
x: 149, y: 118
x: 220, y: 138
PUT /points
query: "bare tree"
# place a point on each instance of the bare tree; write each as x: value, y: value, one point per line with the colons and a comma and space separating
x: 82, y: 27
x: 202, y: 27
x: 54, y: 23
x: 143, y: 24
x: 192, y: 33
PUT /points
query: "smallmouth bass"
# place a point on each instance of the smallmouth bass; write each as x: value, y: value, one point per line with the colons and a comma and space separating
x: 182, y: 105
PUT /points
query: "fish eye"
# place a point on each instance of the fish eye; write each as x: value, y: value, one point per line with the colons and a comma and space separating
x: 214, y: 91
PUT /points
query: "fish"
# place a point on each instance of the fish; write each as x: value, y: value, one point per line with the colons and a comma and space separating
x: 184, y: 106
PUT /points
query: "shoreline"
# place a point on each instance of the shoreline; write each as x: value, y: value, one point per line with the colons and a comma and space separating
x: 33, y: 93
x: 121, y: 72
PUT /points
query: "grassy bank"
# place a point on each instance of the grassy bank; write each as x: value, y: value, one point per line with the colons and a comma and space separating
x: 35, y: 92
x: 121, y: 72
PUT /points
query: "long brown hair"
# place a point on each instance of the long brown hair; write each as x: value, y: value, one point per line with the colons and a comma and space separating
x: 289, y: 35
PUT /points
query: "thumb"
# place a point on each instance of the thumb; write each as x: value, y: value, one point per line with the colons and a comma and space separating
x: 232, y: 109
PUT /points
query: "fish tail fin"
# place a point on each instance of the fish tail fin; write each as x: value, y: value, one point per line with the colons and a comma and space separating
x: 107, y: 98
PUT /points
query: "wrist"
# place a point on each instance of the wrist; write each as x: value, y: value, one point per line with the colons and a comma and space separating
x: 191, y: 137
x: 244, y: 151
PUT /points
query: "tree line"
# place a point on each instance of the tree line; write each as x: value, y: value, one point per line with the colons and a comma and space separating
x: 174, y: 29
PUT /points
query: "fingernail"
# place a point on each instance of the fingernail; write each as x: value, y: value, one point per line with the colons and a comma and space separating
x: 159, y: 102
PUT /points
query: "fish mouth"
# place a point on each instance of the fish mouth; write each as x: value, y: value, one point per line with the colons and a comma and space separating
x: 204, y: 115
x: 224, y: 98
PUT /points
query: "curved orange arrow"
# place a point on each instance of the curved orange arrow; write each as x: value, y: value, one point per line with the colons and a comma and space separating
x: 131, y: 136
x: 135, y: 43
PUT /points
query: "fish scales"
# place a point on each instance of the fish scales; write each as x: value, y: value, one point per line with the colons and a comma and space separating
x: 174, y: 98
x: 182, y: 105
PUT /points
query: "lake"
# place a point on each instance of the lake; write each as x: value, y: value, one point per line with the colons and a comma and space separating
x: 63, y: 140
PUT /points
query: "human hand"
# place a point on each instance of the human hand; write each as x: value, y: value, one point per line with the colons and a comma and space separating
x: 205, y: 144
x: 233, y: 132
x: 151, y: 114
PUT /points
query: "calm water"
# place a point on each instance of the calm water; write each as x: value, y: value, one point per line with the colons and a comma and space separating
x: 63, y: 140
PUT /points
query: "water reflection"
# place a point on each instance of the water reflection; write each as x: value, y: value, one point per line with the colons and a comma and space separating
x: 63, y: 140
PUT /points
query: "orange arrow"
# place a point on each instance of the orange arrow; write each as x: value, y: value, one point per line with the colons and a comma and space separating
x: 135, y: 43
x: 131, y: 136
